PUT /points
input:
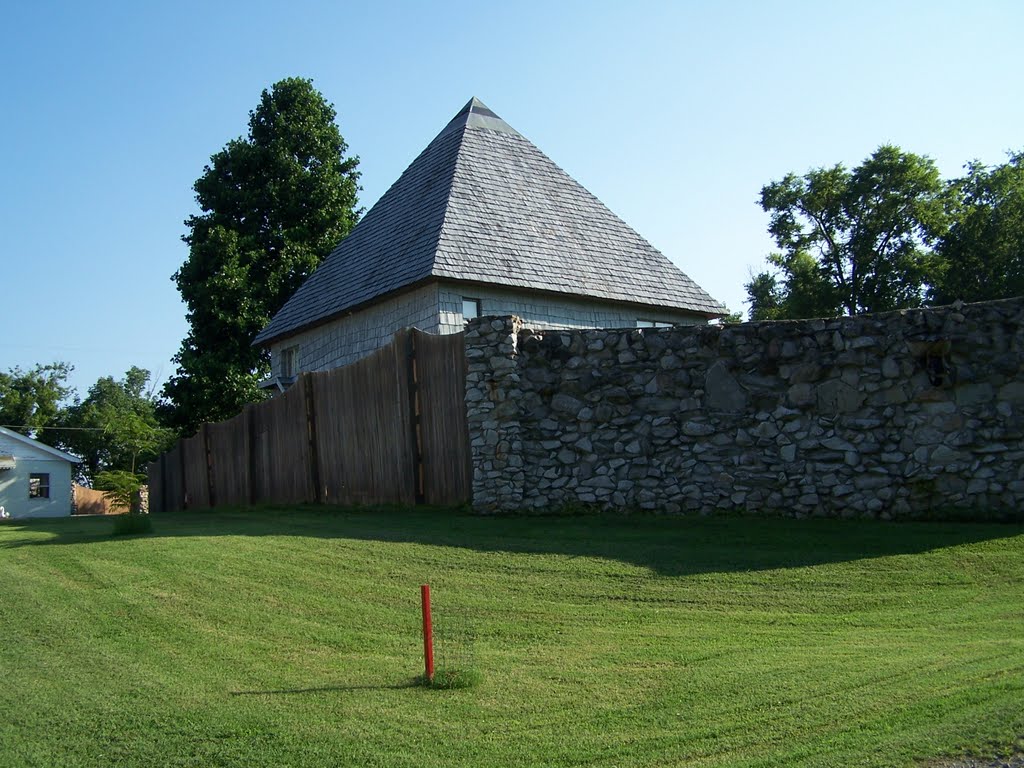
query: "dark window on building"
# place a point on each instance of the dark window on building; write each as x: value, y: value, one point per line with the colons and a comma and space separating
x: 289, y: 362
x: 39, y: 485
x: 470, y: 308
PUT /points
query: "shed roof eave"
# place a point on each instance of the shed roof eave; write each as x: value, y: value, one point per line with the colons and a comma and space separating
x: 268, y: 341
x: 53, y: 452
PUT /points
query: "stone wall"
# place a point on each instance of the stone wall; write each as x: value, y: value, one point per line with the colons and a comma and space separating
x: 891, y: 415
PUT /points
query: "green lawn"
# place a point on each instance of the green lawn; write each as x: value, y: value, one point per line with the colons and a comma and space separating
x: 272, y: 637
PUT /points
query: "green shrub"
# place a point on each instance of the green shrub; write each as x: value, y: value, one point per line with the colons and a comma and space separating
x: 119, y: 487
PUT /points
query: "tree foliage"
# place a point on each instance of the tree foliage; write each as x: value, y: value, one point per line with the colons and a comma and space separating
x: 273, y: 205
x: 802, y: 291
x: 30, y: 400
x: 983, y: 252
x: 119, y: 487
x: 115, y: 428
x: 851, y: 241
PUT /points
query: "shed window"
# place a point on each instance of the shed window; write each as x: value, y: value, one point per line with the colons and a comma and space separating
x: 39, y: 485
x: 470, y: 308
x: 289, y: 362
x: 652, y: 324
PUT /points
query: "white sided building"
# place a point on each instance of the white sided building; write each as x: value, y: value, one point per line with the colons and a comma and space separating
x: 35, y: 479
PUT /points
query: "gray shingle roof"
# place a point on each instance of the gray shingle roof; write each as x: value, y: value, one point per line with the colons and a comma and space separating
x: 483, y: 204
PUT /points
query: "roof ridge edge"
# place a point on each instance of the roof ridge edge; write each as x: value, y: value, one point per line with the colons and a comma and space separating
x: 441, y: 232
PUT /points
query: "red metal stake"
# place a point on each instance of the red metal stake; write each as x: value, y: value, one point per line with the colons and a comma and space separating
x: 428, y: 633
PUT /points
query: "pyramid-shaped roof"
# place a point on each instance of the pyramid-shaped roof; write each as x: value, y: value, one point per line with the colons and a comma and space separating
x: 482, y: 204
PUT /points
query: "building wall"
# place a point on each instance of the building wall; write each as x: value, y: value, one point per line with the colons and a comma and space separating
x: 903, y: 414
x: 437, y: 308
x: 347, y: 339
x: 14, y: 483
x: 540, y: 311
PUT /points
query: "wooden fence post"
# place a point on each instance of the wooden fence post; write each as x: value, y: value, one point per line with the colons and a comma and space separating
x: 415, y: 412
x: 308, y: 391
x: 250, y: 447
x: 210, y: 491
x: 181, y: 470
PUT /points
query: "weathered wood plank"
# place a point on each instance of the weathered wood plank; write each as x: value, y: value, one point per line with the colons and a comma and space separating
x: 441, y: 367
x: 229, y: 447
x: 362, y: 430
x: 197, y: 492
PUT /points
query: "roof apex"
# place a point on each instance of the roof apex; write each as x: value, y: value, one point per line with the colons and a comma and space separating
x: 479, y: 203
x: 475, y: 105
x: 476, y: 114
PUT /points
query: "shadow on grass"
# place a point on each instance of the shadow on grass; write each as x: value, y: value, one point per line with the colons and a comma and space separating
x: 411, y: 683
x: 667, y: 545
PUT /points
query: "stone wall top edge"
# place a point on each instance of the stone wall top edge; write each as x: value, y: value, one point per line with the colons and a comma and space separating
x: 1010, y: 306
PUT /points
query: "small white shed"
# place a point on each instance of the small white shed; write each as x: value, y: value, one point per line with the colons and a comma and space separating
x: 35, y: 479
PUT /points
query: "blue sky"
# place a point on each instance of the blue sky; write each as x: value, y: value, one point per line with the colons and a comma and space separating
x: 675, y: 114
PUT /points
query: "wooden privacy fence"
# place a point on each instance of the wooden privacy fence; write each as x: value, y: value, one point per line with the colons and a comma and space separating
x: 92, y: 502
x: 390, y: 428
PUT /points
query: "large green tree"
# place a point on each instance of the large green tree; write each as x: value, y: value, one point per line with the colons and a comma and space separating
x: 851, y: 241
x: 274, y: 204
x: 30, y: 400
x: 983, y: 251
x: 115, y: 428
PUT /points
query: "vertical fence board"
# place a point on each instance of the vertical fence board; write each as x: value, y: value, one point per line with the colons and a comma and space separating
x: 284, y: 448
x: 174, y: 482
x: 362, y: 437
x: 155, y: 481
x: 444, y: 431
x: 197, y: 492
x: 254, y: 428
x: 229, y: 447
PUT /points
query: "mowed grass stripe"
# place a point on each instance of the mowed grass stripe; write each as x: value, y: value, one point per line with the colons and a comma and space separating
x: 291, y: 637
